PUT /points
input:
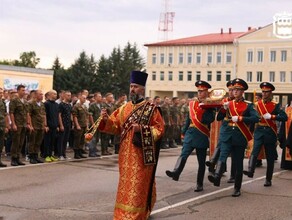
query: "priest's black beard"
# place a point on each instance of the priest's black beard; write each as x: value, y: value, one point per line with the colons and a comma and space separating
x: 135, y: 97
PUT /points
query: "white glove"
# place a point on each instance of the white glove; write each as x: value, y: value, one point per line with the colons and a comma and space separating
x: 234, y: 118
x: 226, y: 105
x: 201, y: 103
x: 267, y: 116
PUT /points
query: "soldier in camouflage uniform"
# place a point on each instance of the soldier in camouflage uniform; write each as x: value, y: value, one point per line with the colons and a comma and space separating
x: 94, y: 113
x: 105, y: 138
x: 165, y: 109
x: 4, y: 125
x: 18, y: 110
x: 175, y: 122
x: 37, y: 113
x: 80, y: 119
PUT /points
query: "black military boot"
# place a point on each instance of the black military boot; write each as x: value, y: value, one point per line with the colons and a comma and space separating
x: 212, y: 162
x: 81, y: 154
x: 32, y: 159
x: 200, y: 178
x: 237, y: 185
x: 37, y: 159
x: 178, y: 168
x: 19, y: 162
x: 172, y: 144
x: 216, y: 178
x: 269, y: 173
x: 14, y: 161
x: 76, y: 154
x: 251, y: 166
x: 164, y: 145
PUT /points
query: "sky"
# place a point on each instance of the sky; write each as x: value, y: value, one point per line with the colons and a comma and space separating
x: 65, y: 28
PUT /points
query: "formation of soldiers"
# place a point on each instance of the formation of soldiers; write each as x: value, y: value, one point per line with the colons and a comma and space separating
x: 41, y: 126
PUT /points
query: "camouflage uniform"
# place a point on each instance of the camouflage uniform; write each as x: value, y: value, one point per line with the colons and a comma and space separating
x: 175, y: 123
x: 37, y: 113
x: 105, y: 138
x: 94, y: 110
x: 81, y: 113
x: 19, y: 109
x: 165, y: 109
x: 2, y: 128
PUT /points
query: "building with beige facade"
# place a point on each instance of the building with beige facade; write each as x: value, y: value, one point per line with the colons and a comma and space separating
x: 255, y: 56
x: 12, y: 76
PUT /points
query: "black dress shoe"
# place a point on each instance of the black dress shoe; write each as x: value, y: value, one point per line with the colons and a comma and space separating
x: 236, y: 193
x: 199, y: 188
x: 231, y: 180
x: 268, y: 183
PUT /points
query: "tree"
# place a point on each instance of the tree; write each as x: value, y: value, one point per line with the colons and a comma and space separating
x: 60, y: 75
x: 114, y: 72
x: 57, y: 65
x: 29, y: 59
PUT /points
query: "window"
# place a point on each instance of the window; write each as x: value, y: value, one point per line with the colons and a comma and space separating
x: 181, y: 58
x: 249, y: 56
x: 282, y: 76
x: 228, y: 75
x: 153, y: 76
x: 260, y: 56
x: 162, y: 58
x: 189, y: 76
x: 190, y: 58
x: 283, y: 56
x: 209, y: 58
x: 272, y: 76
x: 228, y: 57
x: 218, y: 57
x: 249, y: 76
x: 218, y: 76
x: 154, y: 58
x: 180, y: 76
x: 273, y: 56
x: 209, y: 76
x: 170, y: 58
x: 198, y: 59
x: 259, y: 76
x: 198, y: 75
x: 170, y: 76
x: 162, y: 76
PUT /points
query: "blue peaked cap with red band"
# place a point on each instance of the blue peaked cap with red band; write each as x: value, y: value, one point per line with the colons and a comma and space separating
x: 138, y: 77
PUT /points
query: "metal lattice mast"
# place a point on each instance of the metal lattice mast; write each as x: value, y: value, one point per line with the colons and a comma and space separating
x: 166, y: 20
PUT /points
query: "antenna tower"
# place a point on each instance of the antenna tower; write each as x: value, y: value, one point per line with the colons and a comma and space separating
x: 166, y: 20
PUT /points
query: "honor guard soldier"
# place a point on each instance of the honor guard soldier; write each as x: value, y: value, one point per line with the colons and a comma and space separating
x: 196, y: 135
x: 239, y: 114
x: 212, y: 162
x: 266, y: 131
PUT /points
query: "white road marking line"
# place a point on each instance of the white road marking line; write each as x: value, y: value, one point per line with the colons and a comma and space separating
x: 209, y: 194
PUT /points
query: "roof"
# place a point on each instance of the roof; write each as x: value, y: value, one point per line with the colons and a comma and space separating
x: 213, y: 38
x: 26, y: 69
